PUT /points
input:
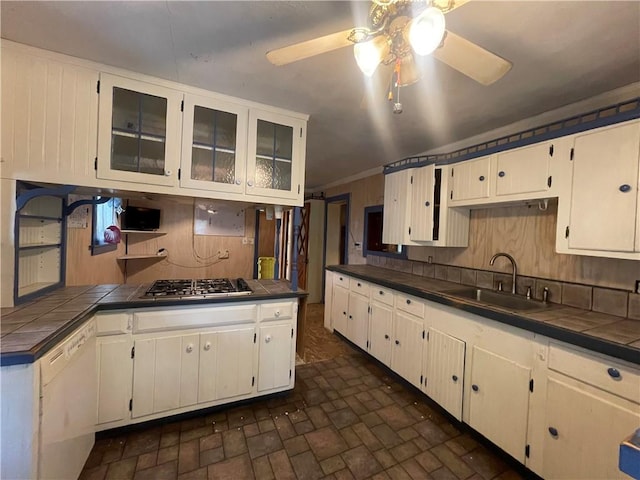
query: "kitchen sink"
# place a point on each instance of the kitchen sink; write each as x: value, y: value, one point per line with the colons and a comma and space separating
x: 499, y: 299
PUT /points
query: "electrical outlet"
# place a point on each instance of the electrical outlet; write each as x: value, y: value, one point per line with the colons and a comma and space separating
x: 637, y: 286
x: 245, y: 240
x: 358, y: 245
x: 223, y: 254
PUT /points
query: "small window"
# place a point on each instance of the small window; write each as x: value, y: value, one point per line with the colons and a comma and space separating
x: 373, y: 244
x: 105, y: 226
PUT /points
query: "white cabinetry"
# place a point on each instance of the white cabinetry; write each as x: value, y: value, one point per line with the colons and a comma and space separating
x: 603, y: 208
x: 415, y: 209
x: 408, y: 338
x: 213, y: 145
x: 339, y: 308
x: 350, y: 309
x: 381, y: 324
x: 499, y: 400
x: 444, y: 371
x: 235, y: 362
x: 592, y: 404
x: 524, y: 170
x: 276, y: 350
x: 139, y: 131
x: 471, y: 180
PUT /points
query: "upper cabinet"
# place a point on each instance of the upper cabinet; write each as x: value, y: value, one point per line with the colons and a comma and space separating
x: 598, y: 211
x: 471, y: 180
x: 524, y: 170
x: 139, y: 131
x: 416, y: 209
x: 276, y: 155
x: 214, y: 145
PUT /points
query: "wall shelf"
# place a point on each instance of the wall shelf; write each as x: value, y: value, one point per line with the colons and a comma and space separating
x: 142, y: 232
x: 31, y: 246
x: 142, y: 256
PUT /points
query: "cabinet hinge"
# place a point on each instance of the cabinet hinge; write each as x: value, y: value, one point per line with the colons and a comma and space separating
x: 452, y: 172
x: 367, y: 343
x: 527, y: 451
x: 300, y: 132
x: 95, y: 164
x: 566, y: 232
x: 133, y: 352
x: 423, y: 334
x: 179, y: 173
x: 292, y: 333
x: 369, y: 309
x: 253, y: 381
x: 549, y: 181
x: 531, y: 385
x: 409, y: 230
x: 289, y: 373
x: 254, y: 338
x: 571, y: 154
x: 451, y: 195
x: 551, y: 150
x: 131, y: 404
x: 411, y: 182
x: 182, y: 106
x: 298, y: 189
x: 421, y: 379
x: 98, y: 87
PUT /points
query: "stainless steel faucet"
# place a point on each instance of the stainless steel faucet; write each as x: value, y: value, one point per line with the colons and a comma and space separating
x: 513, y: 264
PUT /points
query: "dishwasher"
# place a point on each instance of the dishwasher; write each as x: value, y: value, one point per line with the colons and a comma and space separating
x: 68, y: 405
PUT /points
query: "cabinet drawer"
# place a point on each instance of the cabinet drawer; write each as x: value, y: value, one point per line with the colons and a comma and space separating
x: 410, y: 304
x: 609, y: 375
x: 112, y: 323
x: 278, y: 311
x: 358, y: 286
x: 382, y: 295
x: 340, y: 279
x: 181, y: 318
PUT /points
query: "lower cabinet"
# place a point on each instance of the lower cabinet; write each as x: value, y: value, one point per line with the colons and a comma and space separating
x: 276, y: 350
x: 499, y: 401
x: 358, y: 319
x: 339, y: 309
x: 381, y: 331
x: 115, y: 367
x: 408, y: 344
x: 444, y: 371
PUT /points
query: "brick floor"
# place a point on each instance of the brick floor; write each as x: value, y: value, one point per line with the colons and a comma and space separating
x: 347, y: 418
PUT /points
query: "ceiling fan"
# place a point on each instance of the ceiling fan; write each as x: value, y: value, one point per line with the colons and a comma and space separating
x: 396, y: 30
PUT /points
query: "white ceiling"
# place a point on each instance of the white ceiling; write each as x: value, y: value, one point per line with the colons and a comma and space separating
x: 562, y: 52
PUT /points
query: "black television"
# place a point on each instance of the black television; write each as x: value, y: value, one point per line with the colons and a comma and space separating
x: 140, y: 218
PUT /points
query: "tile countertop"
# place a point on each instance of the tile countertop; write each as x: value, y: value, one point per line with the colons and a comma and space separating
x: 614, y: 336
x: 28, y: 331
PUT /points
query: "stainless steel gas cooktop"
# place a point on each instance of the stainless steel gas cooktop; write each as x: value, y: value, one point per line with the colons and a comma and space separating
x: 198, y: 288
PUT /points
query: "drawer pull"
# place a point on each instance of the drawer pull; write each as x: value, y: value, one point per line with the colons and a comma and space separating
x: 267, y: 339
x: 481, y: 178
x: 501, y: 173
x: 340, y: 278
x: 475, y: 388
x: 381, y: 292
x: 207, y: 346
x: 614, y: 373
x: 276, y: 313
x: 625, y: 188
x: 554, y: 432
x: 426, y: 204
x: 189, y: 348
x: 397, y: 342
x: 359, y: 284
x: 350, y: 317
x: 454, y: 378
x: 408, y: 302
x: 386, y: 337
x: 344, y: 313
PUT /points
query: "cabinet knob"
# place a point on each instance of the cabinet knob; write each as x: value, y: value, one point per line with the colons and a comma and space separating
x: 426, y: 204
x: 625, y: 188
x: 350, y: 317
x: 475, y: 388
x: 277, y: 313
x: 344, y: 313
x: 167, y: 173
x: 553, y: 431
x: 189, y: 348
x: 381, y: 292
x: 207, y: 346
x: 359, y: 284
x: 386, y: 337
x: 238, y: 181
x: 250, y: 183
x: 454, y: 378
x: 614, y: 373
x: 501, y: 173
x: 267, y: 339
x: 340, y: 278
x: 481, y: 178
x: 408, y: 302
x: 397, y: 342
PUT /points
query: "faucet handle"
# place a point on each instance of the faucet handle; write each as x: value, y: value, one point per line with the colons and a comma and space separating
x: 499, y: 285
x: 545, y: 294
x: 529, y: 293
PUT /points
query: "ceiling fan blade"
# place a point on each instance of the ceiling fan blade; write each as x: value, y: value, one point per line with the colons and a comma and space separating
x: 302, y: 50
x: 471, y: 59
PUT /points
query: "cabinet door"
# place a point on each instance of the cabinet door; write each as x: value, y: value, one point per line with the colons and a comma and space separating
x: 422, y: 204
x: 471, y: 179
x: 395, y: 228
x: 234, y: 373
x: 165, y: 374
x: 525, y: 170
x: 408, y: 342
x: 445, y: 371
x: 115, y: 368
x: 499, y: 401
x: 208, y: 367
x: 605, y: 162
x: 214, y: 145
x: 358, y: 324
x: 276, y: 355
x: 380, y: 332
x: 584, y: 433
x: 339, y: 309
x: 139, y: 131
x: 276, y: 155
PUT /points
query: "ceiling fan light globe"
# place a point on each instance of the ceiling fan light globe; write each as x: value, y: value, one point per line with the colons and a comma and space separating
x: 426, y: 31
x: 369, y: 54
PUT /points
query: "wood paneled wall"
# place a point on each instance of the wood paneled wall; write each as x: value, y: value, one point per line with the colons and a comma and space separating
x: 526, y: 233
x: 189, y: 255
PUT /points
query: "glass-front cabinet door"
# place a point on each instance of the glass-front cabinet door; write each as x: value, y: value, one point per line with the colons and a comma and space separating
x: 214, y: 145
x: 139, y: 131
x: 275, y: 160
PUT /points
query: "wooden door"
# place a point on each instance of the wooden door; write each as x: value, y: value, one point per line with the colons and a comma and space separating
x: 444, y: 371
x: 499, y: 401
x: 422, y: 204
x: 408, y: 343
x: 276, y: 348
x: 380, y: 332
x: 303, y: 246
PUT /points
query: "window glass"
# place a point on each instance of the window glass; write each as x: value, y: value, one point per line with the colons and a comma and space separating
x: 105, y: 225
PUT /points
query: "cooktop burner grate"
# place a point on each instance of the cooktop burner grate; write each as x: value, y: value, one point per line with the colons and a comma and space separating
x: 197, y: 288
